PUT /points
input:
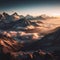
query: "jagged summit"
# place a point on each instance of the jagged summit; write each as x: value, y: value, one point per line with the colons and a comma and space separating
x: 4, y: 13
x: 15, y: 13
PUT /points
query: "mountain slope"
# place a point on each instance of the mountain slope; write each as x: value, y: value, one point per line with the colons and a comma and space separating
x: 15, y: 24
x: 49, y: 42
x: 9, y: 44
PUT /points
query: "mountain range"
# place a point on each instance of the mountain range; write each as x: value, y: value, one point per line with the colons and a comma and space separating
x: 15, y: 21
x: 14, y: 24
x: 44, y: 49
x: 49, y: 42
x: 15, y: 16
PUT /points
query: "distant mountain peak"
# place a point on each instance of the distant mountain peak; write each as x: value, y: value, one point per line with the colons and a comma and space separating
x: 5, y: 14
x: 15, y: 13
x: 28, y: 16
x: 15, y: 16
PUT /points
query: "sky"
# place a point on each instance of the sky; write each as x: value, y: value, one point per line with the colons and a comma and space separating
x: 32, y: 7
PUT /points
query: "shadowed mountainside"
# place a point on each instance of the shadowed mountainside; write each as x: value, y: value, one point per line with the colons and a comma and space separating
x: 49, y: 42
x: 15, y: 24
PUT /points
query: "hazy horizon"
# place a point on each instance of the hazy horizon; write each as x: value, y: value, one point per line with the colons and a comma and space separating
x: 32, y: 7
